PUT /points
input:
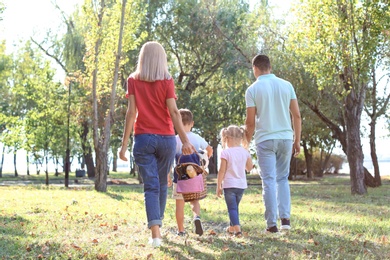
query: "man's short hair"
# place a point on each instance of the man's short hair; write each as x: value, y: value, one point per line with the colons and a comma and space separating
x: 186, y: 116
x: 262, y: 62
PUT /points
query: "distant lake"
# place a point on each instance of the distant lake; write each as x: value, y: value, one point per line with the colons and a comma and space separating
x: 384, y: 167
x: 8, y: 167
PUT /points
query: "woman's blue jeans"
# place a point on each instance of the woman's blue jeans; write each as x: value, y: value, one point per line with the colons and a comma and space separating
x: 154, y: 155
x: 232, y: 198
x: 274, y: 158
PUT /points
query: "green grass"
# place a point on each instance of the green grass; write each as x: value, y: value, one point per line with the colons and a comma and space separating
x: 39, y: 222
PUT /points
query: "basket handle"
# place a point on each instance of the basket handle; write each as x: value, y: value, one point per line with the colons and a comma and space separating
x: 200, y: 159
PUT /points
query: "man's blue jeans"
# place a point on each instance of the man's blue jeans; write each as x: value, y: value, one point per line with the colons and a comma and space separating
x: 154, y: 155
x: 232, y: 198
x: 274, y: 158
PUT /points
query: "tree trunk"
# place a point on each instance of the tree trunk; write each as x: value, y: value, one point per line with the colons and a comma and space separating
x: 374, y: 157
x: 2, y: 162
x: 213, y: 160
x: 308, y: 160
x: 28, y: 163
x: 352, y: 114
x: 101, y: 142
x: 341, y: 136
x: 16, y: 171
x: 293, y: 169
x: 101, y: 170
x: 56, y: 166
x: 47, y: 169
x: 87, y: 150
x: 114, y: 161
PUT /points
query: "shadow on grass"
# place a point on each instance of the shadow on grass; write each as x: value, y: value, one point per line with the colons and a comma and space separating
x: 11, y: 229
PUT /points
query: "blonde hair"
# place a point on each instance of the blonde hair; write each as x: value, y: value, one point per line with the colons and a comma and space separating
x: 152, y: 63
x: 233, y: 131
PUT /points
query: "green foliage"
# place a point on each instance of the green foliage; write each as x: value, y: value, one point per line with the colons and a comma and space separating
x: 208, y: 56
x: 2, y: 8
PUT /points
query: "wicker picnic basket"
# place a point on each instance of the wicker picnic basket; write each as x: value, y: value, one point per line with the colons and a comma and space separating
x: 180, y: 169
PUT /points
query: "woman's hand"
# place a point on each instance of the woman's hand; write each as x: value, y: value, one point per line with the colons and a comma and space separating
x: 187, y: 148
x: 122, y: 153
x: 219, y: 192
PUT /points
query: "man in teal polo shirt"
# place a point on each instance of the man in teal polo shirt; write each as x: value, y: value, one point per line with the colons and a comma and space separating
x: 269, y: 103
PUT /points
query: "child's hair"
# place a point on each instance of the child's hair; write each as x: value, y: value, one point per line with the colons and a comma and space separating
x: 152, y: 63
x: 233, y: 131
x: 186, y: 116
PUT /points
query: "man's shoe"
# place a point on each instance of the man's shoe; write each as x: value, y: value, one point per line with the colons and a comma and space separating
x: 198, y: 226
x: 273, y: 229
x: 285, y: 224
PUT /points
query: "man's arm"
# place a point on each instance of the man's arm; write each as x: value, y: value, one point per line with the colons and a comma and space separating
x: 296, y: 120
x: 250, y: 123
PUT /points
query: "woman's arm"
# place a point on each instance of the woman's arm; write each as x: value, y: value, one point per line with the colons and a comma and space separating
x: 129, y: 122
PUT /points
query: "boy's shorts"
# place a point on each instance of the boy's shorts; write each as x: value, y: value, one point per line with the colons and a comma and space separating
x: 175, y: 195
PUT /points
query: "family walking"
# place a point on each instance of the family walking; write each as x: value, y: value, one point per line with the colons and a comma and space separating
x: 272, y: 117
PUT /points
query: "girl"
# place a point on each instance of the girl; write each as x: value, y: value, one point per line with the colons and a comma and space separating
x: 235, y: 159
x: 153, y: 112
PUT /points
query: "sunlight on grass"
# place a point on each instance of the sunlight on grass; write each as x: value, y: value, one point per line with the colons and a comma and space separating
x: 57, y: 223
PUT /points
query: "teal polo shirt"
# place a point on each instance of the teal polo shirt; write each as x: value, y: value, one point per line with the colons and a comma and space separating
x: 271, y: 96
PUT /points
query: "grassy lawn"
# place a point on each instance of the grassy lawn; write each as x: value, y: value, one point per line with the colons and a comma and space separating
x: 39, y: 222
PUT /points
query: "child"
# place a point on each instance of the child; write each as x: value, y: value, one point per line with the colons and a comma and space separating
x: 153, y: 112
x: 200, y: 144
x: 235, y: 159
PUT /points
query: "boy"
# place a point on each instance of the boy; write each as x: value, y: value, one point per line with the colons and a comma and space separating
x: 200, y: 144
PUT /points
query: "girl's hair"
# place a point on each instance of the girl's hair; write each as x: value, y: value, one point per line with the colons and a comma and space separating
x: 152, y: 63
x: 233, y: 131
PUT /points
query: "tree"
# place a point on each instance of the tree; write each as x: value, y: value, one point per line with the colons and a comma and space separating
x: 207, y: 47
x: 337, y: 43
x: 5, y: 73
x: 375, y: 107
x: 101, y: 40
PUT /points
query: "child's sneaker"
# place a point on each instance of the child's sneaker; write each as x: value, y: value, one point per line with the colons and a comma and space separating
x: 155, y: 242
x: 285, y: 224
x: 181, y: 233
x: 198, y: 226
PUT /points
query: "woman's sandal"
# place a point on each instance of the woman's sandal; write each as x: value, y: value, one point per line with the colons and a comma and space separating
x: 229, y: 232
x: 238, y: 234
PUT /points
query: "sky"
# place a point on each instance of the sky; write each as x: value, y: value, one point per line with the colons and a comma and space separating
x: 26, y: 18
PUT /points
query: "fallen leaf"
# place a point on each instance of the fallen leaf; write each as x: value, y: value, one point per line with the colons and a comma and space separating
x: 225, y: 248
x: 212, y: 232
x: 76, y: 247
x: 95, y: 241
x: 115, y: 227
x: 28, y: 248
x: 102, y: 256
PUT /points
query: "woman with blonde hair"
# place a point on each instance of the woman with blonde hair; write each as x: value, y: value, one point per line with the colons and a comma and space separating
x: 153, y: 112
x: 235, y: 159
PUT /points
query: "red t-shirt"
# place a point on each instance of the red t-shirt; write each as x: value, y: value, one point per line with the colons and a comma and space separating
x: 153, y: 115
